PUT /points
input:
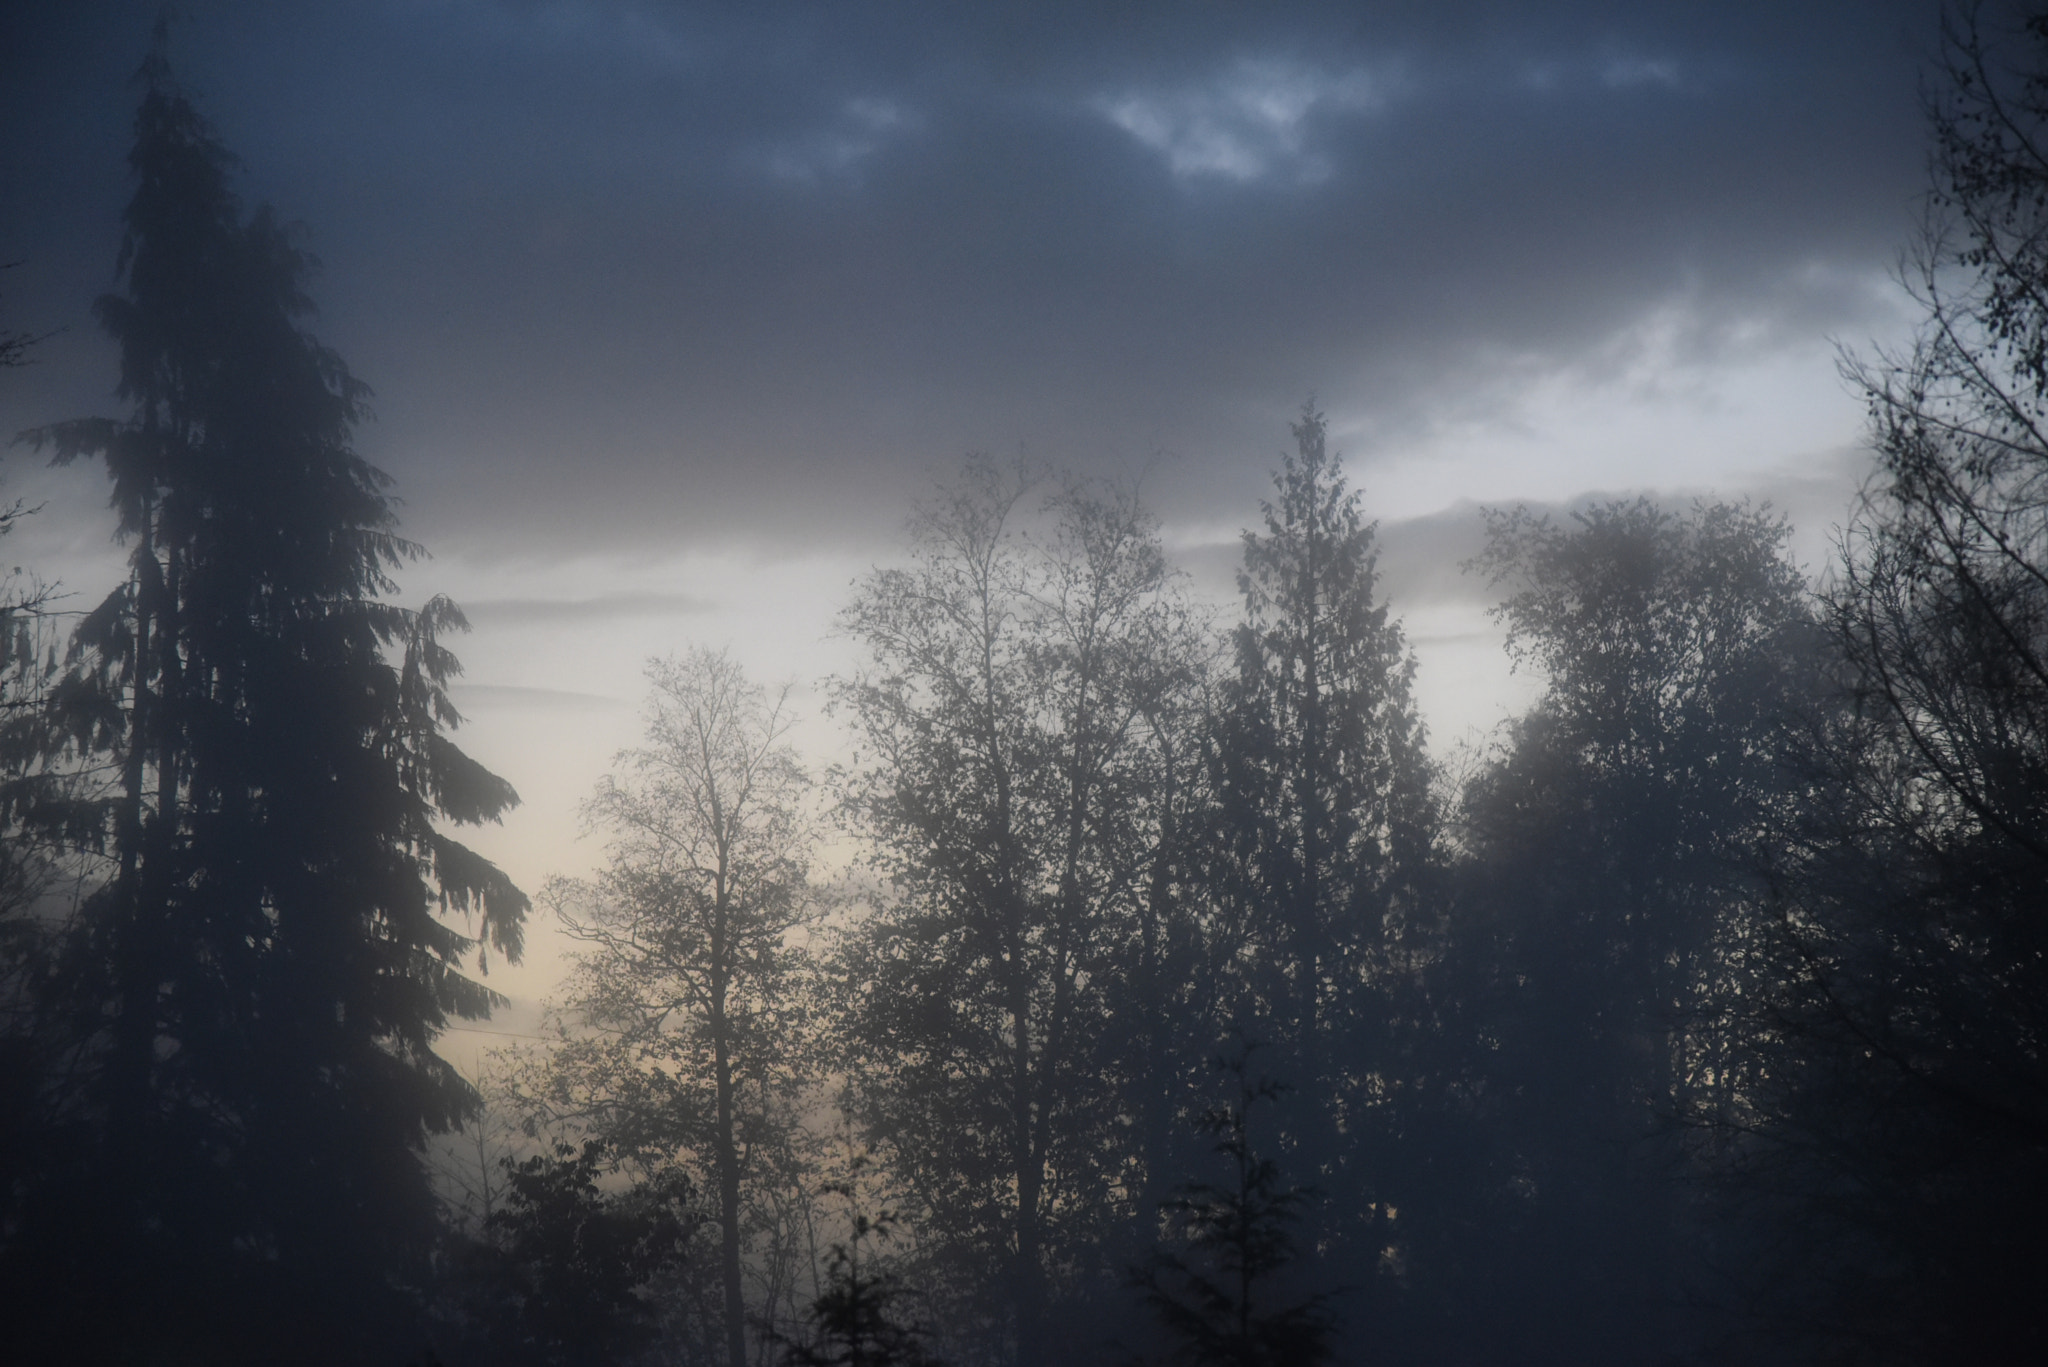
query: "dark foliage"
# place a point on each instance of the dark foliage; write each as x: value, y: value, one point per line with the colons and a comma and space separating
x: 689, y: 984
x: 1227, y: 1301
x: 1324, y: 858
x: 1895, y: 1131
x: 1323, y: 783
x: 1607, y: 842
x: 1723, y: 985
x: 16, y: 347
x: 43, y: 805
x: 562, y: 1281
x: 856, y: 1320
x: 1014, y: 716
x: 249, y: 1000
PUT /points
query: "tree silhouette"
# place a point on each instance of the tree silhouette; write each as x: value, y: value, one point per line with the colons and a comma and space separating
x: 259, y: 982
x: 1898, y: 1126
x: 854, y: 1320
x: 1608, y: 842
x: 45, y: 806
x: 1218, y: 1301
x: 688, y: 983
x: 15, y: 346
x: 1326, y: 826
x: 1007, y: 776
x: 561, y: 1283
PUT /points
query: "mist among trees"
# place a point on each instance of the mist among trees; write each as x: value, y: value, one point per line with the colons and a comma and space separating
x: 1142, y: 989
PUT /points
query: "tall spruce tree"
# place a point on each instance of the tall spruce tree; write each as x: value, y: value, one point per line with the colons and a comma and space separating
x: 259, y: 983
x: 1327, y: 824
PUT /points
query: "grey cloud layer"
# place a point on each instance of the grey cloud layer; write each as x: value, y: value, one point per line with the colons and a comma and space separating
x: 627, y: 273
x: 474, y: 697
x: 605, y: 607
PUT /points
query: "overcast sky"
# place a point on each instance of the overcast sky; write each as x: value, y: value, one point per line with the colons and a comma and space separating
x: 670, y: 309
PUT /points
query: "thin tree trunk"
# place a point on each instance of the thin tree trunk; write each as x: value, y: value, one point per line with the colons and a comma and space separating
x: 728, y: 1182
x: 1308, y: 801
x: 130, y: 1067
x: 1030, y: 1269
x: 1157, y: 1103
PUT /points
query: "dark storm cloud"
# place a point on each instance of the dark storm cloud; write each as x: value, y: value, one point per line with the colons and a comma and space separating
x: 631, y: 273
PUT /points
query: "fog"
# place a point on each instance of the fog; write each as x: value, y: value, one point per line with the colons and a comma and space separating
x: 795, y: 684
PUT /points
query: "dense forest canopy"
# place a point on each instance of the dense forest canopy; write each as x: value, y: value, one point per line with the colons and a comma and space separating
x: 1139, y: 985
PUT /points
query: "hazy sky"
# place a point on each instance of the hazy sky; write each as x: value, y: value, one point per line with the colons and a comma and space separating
x: 670, y: 309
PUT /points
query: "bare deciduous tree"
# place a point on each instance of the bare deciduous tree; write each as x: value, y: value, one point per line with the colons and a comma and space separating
x: 686, y: 993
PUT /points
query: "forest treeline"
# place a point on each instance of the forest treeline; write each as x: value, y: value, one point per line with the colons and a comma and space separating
x: 1176, y: 1005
